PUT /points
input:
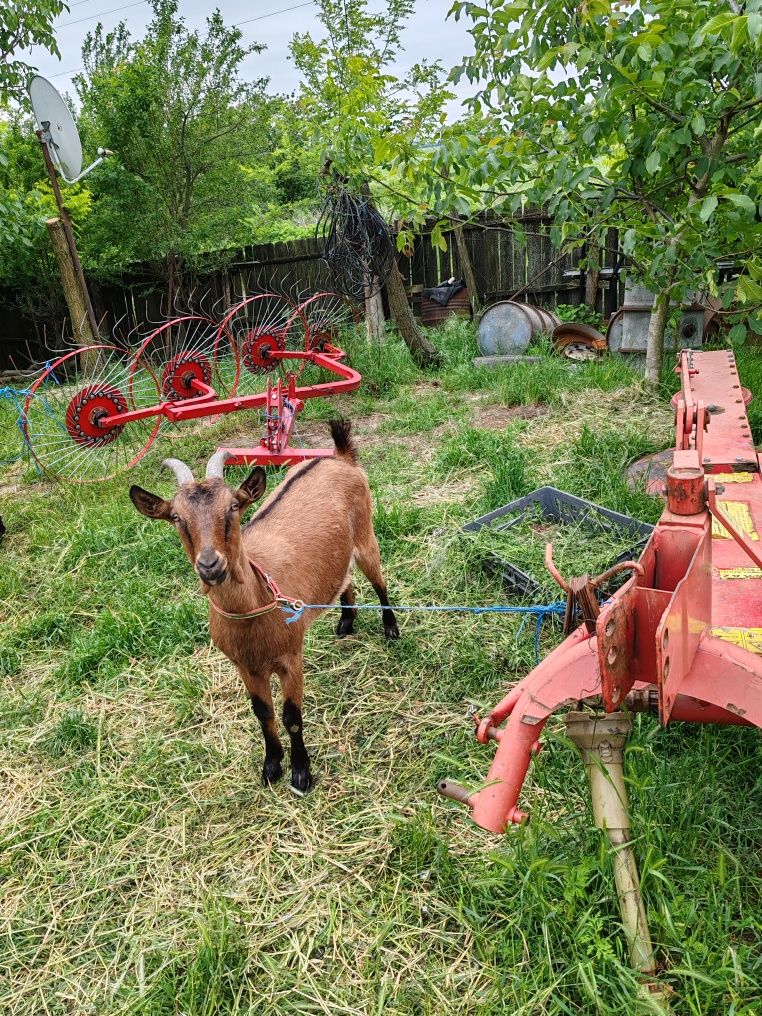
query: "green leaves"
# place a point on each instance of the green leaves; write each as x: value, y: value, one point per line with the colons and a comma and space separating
x: 654, y: 130
x: 653, y: 162
x: 192, y: 136
x: 737, y: 334
x: 645, y: 52
x: 707, y: 207
x: 23, y: 25
x: 742, y: 201
x: 698, y: 125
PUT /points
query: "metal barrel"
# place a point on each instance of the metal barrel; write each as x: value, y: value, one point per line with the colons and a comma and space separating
x: 508, y: 326
x: 433, y: 314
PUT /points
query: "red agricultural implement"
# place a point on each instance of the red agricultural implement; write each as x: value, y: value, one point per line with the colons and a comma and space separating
x: 681, y: 638
x: 97, y: 410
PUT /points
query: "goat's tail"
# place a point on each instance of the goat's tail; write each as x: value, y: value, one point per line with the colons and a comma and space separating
x: 341, y: 432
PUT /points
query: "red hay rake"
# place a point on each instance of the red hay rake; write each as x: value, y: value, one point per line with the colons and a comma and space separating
x: 96, y: 411
x: 682, y: 637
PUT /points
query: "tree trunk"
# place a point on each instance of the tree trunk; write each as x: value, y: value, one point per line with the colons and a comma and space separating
x: 422, y: 351
x: 374, y: 312
x: 655, y: 342
x: 170, y: 284
x: 592, y: 274
x: 467, y: 268
x: 76, y: 300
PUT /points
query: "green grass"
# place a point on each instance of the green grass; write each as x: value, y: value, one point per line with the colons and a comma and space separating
x: 144, y: 870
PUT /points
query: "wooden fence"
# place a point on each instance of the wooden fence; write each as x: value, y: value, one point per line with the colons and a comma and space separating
x: 506, y: 262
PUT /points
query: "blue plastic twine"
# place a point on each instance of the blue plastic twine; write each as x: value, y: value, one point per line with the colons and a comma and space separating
x: 541, y: 611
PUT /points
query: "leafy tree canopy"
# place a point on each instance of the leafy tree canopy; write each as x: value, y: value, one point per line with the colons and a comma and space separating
x: 641, y: 116
x: 24, y: 23
x: 349, y: 93
x: 185, y: 127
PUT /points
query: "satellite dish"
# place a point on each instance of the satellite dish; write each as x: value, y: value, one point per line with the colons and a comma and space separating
x: 53, y: 117
x: 58, y: 130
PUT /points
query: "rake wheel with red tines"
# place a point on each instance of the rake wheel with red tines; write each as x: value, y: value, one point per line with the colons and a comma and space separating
x: 260, y: 326
x: 325, y: 317
x: 67, y: 419
x: 190, y: 356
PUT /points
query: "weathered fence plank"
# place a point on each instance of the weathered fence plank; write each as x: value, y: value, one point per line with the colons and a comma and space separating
x: 505, y: 263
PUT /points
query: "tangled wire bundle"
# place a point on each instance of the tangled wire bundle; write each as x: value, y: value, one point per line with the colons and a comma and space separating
x: 357, y: 246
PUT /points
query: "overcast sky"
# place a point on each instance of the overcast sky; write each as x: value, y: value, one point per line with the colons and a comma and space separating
x: 429, y: 34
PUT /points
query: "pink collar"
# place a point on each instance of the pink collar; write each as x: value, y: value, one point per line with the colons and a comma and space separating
x: 278, y: 599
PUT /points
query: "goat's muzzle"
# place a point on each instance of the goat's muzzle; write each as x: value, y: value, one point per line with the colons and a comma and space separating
x: 211, y: 567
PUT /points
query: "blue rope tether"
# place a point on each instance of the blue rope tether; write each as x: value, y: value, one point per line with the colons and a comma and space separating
x: 16, y: 397
x: 540, y: 610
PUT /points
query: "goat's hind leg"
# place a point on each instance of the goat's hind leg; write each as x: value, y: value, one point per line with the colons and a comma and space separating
x: 368, y: 559
x: 260, y: 693
x: 346, y: 625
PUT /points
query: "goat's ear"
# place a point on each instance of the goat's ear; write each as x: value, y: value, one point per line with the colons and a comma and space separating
x: 152, y: 505
x: 253, y: 487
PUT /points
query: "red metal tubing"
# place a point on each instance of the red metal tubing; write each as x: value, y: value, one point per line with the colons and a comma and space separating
x: 687, y: 709
x: 264, y: 457
x: 495, y: 806
x: 207, y: 404
x: 554, y: 572
x: 504, y: 708
x: 633, y: 566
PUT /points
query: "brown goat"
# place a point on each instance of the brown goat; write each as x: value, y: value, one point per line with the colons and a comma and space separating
x: 307, y: 535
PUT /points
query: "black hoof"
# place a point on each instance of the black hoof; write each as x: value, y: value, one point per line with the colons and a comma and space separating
x: 391, y: 631
x: 272, y: 772
x: 301, y: 780
x: 345, y: 628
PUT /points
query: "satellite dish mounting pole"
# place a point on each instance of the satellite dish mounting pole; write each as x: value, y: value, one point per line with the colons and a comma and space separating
x: 69, y: 234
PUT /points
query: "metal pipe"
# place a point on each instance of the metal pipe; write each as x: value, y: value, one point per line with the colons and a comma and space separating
x: 454, y: 792
x: 686, y: 709
x: 601, y: 740
x: 496, y: 806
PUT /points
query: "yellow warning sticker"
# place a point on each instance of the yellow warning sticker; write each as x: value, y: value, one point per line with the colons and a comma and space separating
x: 732, y: 477
x: 740, y: 515
x: 740, y: 573
x: 746, y: 638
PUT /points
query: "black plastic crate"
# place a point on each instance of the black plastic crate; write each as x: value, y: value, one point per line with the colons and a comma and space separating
x: 562, y: 508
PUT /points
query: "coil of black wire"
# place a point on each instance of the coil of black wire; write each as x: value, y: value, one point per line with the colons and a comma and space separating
x: 357, y: 245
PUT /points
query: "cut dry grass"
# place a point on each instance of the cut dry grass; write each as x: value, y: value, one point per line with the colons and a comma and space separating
x: 145, y: 871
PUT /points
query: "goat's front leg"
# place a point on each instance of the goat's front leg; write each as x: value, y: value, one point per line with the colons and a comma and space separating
x: 292, y: 682
x: 260, y: 693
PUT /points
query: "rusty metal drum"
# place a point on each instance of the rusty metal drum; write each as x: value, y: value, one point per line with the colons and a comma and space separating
x: 507, y: 327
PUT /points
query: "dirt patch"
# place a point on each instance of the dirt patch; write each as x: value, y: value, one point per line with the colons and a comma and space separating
x: 11, y: 479
x: 315, y: 433
x: 441, y: 493
x: 500, y: 417
x: 365, y: 431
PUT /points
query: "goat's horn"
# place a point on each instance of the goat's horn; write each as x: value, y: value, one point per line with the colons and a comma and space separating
x: 215, y: 466
x: 181, y: 471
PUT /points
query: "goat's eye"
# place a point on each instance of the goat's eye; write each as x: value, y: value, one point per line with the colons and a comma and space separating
x: 234, y: 506
x: 174, y: 517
